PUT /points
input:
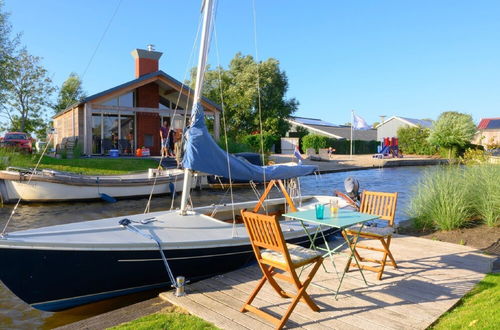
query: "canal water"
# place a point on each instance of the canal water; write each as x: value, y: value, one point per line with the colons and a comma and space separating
x: 16, y: 314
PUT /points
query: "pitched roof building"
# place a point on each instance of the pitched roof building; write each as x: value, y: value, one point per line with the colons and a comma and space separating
x: 318, y: 126
x: 389, y: 128
x: 488, y: 133
x: 129, y: 116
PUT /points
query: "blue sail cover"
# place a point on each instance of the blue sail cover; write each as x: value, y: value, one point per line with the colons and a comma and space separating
x: 204, y: 155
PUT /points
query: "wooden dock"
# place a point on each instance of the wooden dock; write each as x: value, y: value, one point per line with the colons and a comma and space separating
x: 431, y: 278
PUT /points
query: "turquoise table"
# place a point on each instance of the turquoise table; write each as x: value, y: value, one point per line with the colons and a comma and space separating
x: 344, y: 219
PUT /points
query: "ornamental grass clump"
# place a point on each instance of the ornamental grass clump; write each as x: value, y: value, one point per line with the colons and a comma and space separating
x: 441, y: 200
x: 484, y: 191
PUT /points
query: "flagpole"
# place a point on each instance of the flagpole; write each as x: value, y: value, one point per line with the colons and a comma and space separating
x: 352, y: 122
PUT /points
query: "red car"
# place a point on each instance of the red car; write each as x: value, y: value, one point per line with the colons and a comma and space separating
x: 18, y: 140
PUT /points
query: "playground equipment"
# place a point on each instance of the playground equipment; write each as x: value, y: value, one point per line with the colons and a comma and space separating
x: 388, y: 148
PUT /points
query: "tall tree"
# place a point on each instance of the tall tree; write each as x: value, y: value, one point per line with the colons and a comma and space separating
x: 238, y: 86
x: 70, y: 93
x: 28, y: 89
x: 452, y: 130
x: 8, y: 45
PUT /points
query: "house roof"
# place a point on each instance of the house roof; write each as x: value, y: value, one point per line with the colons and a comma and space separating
x: 489, y: 123
x: 334, y: 131
x: 130, y: 83
x: 311, y: 121
x: 409, y: 121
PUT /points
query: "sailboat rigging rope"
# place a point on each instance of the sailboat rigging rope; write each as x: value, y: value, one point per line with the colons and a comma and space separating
x: 148, y: 204
x: 258, y: 87
x: 188, y: 64
x: 234, y: 232
x: 2, y: 234
x: 126, y: 223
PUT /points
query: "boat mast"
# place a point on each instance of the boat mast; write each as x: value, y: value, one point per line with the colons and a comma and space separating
x: 207, y: 9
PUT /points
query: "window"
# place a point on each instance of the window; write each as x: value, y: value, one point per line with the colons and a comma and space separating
x: 113, y: 131
x: 148, y: 140
x: 125, y: 100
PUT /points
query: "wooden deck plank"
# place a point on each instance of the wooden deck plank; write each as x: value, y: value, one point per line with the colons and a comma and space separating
x: 432, y: 276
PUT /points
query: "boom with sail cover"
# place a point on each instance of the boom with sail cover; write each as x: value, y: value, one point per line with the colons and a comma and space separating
x: 203, y: 154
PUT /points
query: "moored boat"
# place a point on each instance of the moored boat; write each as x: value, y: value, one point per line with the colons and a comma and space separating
x: 54, y: 186
x: 58, y: 267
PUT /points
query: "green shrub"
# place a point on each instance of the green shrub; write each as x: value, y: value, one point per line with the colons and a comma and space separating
x: 255, y: 141
x: 474, y: 156
x: 343, y: 147
x: 413, y: 140
x: 441, y: 200
x: 314, y: 141
x: 77, y: 150
x: 233, y: 146
x: 63, y: 153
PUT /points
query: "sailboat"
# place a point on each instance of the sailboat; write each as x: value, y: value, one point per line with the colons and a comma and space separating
x: 58, y: 267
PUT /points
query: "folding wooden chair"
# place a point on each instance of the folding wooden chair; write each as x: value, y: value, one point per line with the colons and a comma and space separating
x: 265, y: 233
x: 384, y: 205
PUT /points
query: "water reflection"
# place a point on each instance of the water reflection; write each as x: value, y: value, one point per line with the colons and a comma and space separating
x: 16, y: 314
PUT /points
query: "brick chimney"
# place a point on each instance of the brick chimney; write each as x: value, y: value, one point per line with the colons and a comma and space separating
x: 146, y: 61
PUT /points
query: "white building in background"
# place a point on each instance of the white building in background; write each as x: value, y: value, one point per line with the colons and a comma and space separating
x: 321, y: 127
x: 389, y: 128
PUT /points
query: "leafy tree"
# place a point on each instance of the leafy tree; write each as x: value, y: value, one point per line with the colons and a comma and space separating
x: 375, y: 124
x: 8, y: 45
x: 28, y: 89
x: 413, y: 140
x: 70, y: 93
x: 237, y: 88
x: 452, y: 131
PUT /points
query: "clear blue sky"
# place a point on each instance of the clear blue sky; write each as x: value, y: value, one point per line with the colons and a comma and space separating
x: 408, y: 58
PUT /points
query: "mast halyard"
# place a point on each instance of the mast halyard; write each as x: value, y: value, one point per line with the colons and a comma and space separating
x: 207, y: 8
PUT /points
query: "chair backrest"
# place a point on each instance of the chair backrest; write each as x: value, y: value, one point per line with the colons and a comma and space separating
x: 264, y: 232
x: 380, y: 203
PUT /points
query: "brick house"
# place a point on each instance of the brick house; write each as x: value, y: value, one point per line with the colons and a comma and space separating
x: 488, y: 133
x: 129, y: 115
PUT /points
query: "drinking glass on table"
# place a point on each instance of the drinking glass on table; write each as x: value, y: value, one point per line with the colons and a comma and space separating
x: 334, y: 207
x: 320, y: 209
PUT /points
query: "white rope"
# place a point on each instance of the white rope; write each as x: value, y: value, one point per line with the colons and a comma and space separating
x: 173, y: 194
x: 189, y: 62
x: 258, y: 87
x: 148, y: 204
x: 234, y: 232
x: 29, y: 181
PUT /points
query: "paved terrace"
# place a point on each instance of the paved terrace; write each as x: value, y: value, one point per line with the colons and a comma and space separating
x: 431, y: 278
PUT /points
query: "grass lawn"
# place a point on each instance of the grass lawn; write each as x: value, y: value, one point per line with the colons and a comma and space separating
x: 91, y: 166
x: 477, y: 309
x: 167, y: 320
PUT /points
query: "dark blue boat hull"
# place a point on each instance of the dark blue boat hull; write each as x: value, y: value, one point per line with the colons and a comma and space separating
x: 54, y: 280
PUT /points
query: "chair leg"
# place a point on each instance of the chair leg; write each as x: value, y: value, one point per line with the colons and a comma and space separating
x: 387, y: 253
x: 254, y: 294
x: 305, y: 296
x: 388, y: 243
x: 301, y: 295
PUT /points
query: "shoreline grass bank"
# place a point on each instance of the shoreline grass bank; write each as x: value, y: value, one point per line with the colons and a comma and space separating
x: 88, y: 166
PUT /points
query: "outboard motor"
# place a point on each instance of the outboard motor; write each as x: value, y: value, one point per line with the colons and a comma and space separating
x: 351, y: 186
x: 352, y: 195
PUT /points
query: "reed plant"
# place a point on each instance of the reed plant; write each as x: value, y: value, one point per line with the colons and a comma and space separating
x: 451, y: 196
